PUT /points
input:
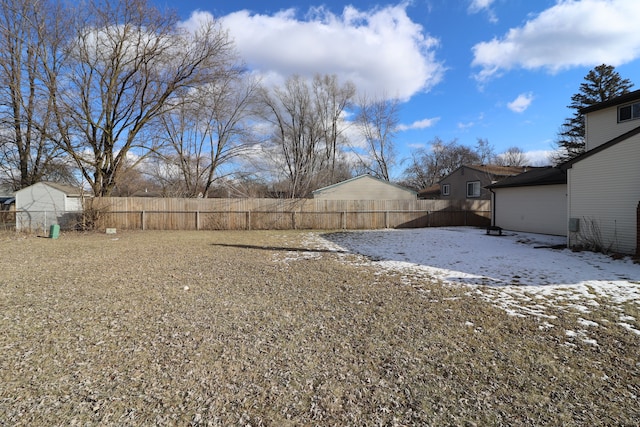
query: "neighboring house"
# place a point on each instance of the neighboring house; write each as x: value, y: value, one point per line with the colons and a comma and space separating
x: 7, y: 205
x: 468, y: 182
x: 45, y: 203
x: 364, y: 187
x: 604, y: 181
x: 534, y: 201
x: 431, y: 193
x: 7, y: 197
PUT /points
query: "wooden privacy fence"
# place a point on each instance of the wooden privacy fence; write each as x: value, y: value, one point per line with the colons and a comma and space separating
x: 140, y: 213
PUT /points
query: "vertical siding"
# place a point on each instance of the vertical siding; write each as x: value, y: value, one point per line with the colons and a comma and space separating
x: 214, y: 214
x: 602, y: 126
x: 605, y: 190
x: 537, y: 209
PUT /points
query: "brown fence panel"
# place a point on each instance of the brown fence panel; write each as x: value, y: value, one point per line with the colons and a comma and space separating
x: 242, y: 214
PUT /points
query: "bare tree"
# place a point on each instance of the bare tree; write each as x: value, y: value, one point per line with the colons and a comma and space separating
x: 430, y: 165
x: 514, y: 156
x: 208, y: 129
x: 30, y: 31
x: 306, y: 122
x: 331, y: 102
x: 485, y: 151
x: 377, y: 120
x: 127, y: 62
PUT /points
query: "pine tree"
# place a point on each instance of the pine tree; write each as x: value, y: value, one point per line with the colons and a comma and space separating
x: 601, y: 84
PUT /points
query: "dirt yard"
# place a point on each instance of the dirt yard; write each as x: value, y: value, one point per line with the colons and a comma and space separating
x: 263, y: 328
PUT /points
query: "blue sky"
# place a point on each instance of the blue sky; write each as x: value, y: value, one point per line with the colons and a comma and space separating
x: 503, y: 70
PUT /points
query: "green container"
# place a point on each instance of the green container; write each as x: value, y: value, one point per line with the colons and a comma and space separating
x: 54, y: 231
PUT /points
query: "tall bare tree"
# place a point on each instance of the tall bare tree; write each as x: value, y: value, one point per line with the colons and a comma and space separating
x: 377, y: 121
x: 332, y: 99
x: 513, y: 156
x: 127, y: 62
x: 305, y: 118
x: 209, y: 128
x: 31, y: 32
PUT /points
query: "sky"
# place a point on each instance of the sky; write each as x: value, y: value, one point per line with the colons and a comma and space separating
x: 518, y: 272
x: 501, y: 70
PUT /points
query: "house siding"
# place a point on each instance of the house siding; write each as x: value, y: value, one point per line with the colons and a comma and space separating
x: 458, y: 184
x: 364, y: 188
x: 600, y: 125
x: 604, y: 201
x: 535, y: 209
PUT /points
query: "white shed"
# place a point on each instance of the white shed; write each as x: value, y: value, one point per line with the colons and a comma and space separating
x: 533, y: 202
x: 45, y: 203
x: 364, y: 187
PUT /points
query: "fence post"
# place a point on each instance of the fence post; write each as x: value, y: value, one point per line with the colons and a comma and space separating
x: 142, y: 219
x: 386, y: 219
x: 293, y: 220
x: 343, y: 220
x: 248, y: 220
x: 197, y: 220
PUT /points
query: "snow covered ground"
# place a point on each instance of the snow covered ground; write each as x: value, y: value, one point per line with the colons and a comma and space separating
x: 525, y: 274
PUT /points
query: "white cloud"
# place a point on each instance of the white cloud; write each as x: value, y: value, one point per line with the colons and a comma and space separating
x: 521, y: 103
x: 539, y: 157
x: 382, y: 51
x: 419, y: 124
x: 196, y: 21
x: 571, y: 33
x: 477, y: 6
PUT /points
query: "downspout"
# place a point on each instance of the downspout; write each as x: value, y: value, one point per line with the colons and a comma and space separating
x: 493, y: 207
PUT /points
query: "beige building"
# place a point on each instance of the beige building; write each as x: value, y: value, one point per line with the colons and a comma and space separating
x: 364, y: 187
x: 534, y: 202
x: 604, y: 182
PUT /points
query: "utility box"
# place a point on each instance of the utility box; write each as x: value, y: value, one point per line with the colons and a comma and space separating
x: 54, y: 231
x: 574, y: 225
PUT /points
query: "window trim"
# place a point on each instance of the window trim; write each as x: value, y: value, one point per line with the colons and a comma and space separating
x: 634, y: 112
x: 473, y: 194
x: 446, y: 189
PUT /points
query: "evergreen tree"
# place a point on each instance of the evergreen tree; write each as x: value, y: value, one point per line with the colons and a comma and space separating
x: 601, y: 84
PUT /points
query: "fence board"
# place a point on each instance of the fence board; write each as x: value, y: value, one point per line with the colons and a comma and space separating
x: 137, y: 213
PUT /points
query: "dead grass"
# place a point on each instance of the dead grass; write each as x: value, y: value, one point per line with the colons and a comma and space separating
x: 99, y: 330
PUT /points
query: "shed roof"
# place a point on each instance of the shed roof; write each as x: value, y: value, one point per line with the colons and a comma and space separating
x: 538, y: 176
x: 433, y: 190
x: 68, y: 190
x: 320, y: 190
x: 493, y: 170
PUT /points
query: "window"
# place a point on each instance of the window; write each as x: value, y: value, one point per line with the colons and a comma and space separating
x: 446, y: 189
x: 629, y: 112
x: 473, y: 189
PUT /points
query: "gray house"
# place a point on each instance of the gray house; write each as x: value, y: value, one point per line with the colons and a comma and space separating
x: 534, y: 201
x: 468, y: 182
x: 364, y: 187
x: 604, y: 181
x: 46, y: 203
